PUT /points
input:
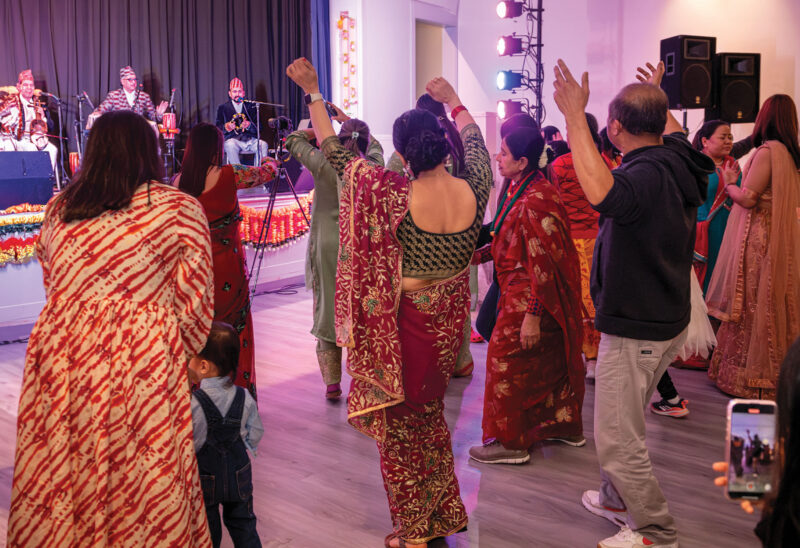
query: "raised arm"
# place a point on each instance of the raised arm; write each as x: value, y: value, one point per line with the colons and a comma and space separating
x: 478, y: 167
x: 303, y: 73
x: 250, y: 176
x: 653, y: 75
x: 755, y: 181
x: 571, y: 98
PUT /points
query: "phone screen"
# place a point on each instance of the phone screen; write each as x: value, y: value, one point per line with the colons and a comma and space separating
x: 751, y: 448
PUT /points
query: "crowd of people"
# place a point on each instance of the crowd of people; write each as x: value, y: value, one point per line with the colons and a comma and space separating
x: 139, y: 396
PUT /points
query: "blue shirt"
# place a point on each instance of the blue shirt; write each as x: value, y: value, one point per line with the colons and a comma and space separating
x: 222, y: 391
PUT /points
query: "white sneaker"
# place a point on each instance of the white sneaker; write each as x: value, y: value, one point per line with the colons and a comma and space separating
x: 591, y: 501
x: 627, y: 538
x: 591, y: 365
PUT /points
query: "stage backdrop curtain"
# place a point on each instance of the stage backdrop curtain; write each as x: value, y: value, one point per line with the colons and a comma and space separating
x: 321, y: 34
x: 195, y: 46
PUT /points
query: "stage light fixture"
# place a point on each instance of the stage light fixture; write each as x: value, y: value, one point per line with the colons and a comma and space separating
x: 509, y: 45
x: 509, y: 10
x: 507, y: 108
x: 509, y: 79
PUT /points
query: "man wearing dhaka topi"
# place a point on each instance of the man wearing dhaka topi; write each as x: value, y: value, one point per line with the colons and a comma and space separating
x: 236, y: 119
x: 131, y: 97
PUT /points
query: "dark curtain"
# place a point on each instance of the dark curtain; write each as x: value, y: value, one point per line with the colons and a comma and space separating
x: 321, y: 35
x: 195, y: 46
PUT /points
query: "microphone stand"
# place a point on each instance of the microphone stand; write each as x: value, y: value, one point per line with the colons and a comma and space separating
x: 60, y: 145
x: 258, y: 105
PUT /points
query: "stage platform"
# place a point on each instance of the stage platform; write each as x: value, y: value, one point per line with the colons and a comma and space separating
x: 22, y: 293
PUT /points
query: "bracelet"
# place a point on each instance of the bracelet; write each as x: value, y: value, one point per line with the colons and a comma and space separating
x: 456, y: 111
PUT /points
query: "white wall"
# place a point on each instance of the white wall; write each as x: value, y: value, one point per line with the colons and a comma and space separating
x: 610, y: 38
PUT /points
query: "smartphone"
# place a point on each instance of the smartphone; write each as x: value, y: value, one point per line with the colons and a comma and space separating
x: 331, y: 110
x: 750, y: 448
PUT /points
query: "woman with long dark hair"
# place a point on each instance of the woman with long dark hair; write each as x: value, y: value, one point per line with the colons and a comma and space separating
x: 215, y: 186
x: 323, y: 241
x: 105, y: 455
x: 534, y: 371
x: 755, y: 287
x: 402, y: 297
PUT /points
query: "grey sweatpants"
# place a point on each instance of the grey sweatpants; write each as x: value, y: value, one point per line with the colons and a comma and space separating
x: 626, y: 375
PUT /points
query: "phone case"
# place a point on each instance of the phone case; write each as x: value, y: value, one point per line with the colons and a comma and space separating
x: 729, y: 414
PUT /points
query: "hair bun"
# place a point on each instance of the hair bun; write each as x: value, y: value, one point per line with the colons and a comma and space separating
x: 426, y: 150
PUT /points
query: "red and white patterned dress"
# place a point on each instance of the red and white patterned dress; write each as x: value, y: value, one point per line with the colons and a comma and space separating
x: 104, y: 433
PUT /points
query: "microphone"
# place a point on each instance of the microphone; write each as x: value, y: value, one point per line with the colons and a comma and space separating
x: 86, y: 96
x: 39, y: 92
x: 171, y: 98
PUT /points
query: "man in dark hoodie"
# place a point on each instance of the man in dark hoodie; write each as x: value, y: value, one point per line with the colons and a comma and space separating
x: 640, y: 285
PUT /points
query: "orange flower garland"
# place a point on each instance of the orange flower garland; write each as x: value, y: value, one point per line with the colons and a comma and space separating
x: 17, y: 250
x: 286, y: 225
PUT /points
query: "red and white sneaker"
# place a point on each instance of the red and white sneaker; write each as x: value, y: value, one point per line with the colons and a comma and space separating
x: 627, y: 538
x: 667, y: 409
x: 591, y: 501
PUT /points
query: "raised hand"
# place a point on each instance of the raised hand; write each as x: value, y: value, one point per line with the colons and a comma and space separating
x: 651, y: 75
x: 303, y: 73
x: 340, y: 117
x: 441, y: 90
x: 729, y: 172
x: 570, y: 96
x: 162, y: 108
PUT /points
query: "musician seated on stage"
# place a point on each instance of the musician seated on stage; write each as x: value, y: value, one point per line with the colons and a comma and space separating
x: 18, y: 112
x: 131, y: 97
x: 237, y: 121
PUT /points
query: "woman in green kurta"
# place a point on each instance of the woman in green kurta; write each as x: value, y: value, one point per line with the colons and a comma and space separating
x: 323, y: 242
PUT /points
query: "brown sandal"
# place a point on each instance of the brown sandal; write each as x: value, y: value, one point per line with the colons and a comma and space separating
x: 390, y: 537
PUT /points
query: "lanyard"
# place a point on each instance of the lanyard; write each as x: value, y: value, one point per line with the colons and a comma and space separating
x: 501, y: 211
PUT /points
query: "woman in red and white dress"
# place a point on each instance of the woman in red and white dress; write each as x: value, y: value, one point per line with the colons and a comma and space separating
x: 104, y: 435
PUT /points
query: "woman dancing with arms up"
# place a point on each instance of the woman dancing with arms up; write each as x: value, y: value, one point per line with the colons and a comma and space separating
x: 401, y: 300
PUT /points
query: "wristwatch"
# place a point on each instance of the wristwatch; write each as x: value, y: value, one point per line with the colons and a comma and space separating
x: 312, y: 97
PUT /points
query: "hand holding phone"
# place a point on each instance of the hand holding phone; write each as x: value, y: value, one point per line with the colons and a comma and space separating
x: 750, y: 448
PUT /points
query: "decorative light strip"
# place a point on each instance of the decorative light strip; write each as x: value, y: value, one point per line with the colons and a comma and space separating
x: 346, y: 27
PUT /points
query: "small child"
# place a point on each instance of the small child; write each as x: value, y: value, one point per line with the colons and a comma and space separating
x: 225, y: 422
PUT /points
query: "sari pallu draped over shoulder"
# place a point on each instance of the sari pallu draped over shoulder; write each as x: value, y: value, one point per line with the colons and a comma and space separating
x: 372, y: 204
x: 775, y: 311
x: 526, y: 389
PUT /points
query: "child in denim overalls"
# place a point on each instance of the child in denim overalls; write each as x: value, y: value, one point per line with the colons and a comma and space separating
x: 225, y: 422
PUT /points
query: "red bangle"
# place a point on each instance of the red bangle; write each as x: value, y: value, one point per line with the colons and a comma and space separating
x: 456, y: 111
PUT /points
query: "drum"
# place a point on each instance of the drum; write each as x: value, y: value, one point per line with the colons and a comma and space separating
x: 74, y: 162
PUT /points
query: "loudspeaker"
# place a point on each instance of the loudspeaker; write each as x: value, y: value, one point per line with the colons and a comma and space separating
x: 688, y: 70
x: 25, y: 177
x: 737, y: 78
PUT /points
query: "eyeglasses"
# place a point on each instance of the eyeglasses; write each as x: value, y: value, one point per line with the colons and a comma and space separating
x: 131, y: 79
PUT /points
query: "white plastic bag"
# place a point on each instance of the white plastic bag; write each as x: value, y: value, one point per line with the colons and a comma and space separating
x: 701, y: 339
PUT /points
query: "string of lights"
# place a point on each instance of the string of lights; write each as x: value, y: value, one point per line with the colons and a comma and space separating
x: 531, y: 77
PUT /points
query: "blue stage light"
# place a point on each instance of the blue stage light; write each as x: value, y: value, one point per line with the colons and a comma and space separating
x: 509, y: 79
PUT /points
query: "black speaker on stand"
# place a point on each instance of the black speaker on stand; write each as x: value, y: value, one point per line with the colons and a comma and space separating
x: 737, y: 79
x: 688, y: 76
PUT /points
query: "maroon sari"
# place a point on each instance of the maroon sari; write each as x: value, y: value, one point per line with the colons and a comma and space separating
x: 537, y: 393
x: 402, y: 349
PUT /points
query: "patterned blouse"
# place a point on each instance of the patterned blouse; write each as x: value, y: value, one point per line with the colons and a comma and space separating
x: 430, y: 255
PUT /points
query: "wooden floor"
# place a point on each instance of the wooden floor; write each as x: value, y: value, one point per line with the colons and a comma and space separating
x: 317, y: 482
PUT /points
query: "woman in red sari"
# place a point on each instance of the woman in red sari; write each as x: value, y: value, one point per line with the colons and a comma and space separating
x: 534, y: 370
x: 402, y: 297
x: 215, y: 187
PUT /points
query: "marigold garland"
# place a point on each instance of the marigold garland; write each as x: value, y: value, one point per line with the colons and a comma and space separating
x: 286, y: 225
x: 23, y: 208
x: 17, y: 250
